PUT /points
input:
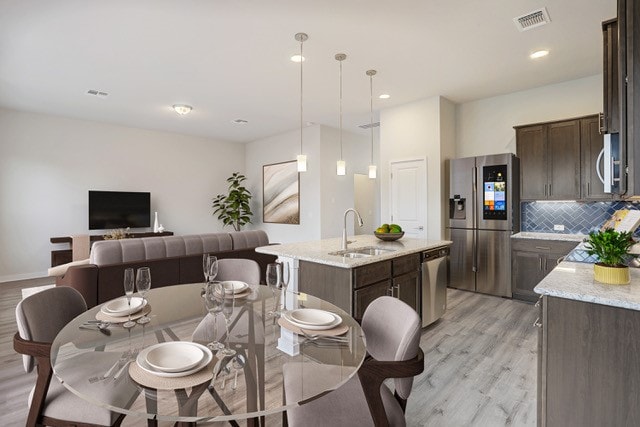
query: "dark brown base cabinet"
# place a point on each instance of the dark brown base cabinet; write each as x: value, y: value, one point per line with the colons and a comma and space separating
x: 588, y: 364
x: 531, y: 261
x: 354, y: 289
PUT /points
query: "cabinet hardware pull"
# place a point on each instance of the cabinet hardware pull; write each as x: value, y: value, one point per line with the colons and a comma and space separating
x: 537, y: 304
x: 537, y: 323
x: 545, y: 190
x: 601, y: 122
x: 543, y: 248
x: 540, y: 262
x: 550, y: 192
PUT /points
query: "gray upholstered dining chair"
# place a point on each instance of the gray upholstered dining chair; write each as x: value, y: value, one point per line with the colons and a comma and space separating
x: 392, y: 332
x: 245, y: 270
x: 40, y: 317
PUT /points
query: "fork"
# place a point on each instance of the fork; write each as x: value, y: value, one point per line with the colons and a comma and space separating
x: 313, y: 337
x: 123, y: 358
x: 132, y: 357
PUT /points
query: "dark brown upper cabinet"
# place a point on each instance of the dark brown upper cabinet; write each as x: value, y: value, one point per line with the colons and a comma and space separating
x: 558, y: 160
x: 610, y: 118
x: 549, y: 160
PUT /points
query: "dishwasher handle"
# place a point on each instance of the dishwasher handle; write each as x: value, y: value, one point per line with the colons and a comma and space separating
x: 435, y: 254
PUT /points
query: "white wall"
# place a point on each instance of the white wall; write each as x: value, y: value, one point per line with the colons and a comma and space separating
x: 486, y: 126
x: 282, y: 148
x: 47, y: 165
x: 337, y: 192
x: 324, y: 196
x: 413, y: 131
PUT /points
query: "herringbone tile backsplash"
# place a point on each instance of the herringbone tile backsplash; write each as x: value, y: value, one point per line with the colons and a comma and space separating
x: 577, y: 218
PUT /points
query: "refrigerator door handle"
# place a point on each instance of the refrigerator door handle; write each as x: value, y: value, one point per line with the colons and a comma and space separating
x: 474, y: 251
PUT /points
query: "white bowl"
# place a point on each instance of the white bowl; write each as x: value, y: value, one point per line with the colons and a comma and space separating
x: 234, y: 285
x: 312, y: 316
x: 120, y: 307
x: 174, y: 356
x: 141, y: 360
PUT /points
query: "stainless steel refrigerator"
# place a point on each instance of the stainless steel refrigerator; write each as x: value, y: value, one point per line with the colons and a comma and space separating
x: 484, y: 211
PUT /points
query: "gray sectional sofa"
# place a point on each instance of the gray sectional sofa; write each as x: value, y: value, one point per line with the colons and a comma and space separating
x: 172, y: 259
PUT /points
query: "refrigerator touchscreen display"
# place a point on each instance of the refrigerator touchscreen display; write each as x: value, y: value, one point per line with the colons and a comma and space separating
x: 494, y: 179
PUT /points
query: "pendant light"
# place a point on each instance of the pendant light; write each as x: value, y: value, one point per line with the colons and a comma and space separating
x: 341, y: 166
x: 301, y: 158
x: 372, y: 166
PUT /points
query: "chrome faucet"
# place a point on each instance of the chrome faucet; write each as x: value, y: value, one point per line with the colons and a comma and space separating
x: 344, y: 228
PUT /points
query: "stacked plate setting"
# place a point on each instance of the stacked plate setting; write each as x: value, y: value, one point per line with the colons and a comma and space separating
x: 312, y: 319
x: 174, y: 359
x: 120, y: 307
x: 234, y: 286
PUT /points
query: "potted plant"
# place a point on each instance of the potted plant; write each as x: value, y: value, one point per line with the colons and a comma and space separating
x: 233, y: 209
x: 611, y: 247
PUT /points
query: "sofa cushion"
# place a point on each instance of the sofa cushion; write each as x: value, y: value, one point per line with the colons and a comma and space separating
x: 249, y: 239
x: 108, y: 252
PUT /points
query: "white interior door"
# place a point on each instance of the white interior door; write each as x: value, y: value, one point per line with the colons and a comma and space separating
x: 409, y: 197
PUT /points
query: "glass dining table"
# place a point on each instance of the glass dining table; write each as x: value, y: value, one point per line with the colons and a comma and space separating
x: 245, y: 386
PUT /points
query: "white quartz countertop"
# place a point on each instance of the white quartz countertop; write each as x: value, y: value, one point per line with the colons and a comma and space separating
x: 550, y: 236
x: 318, y: 251
x: 574, y: 280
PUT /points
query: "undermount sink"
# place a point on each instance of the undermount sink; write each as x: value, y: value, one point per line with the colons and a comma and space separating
x: 372, y: 250
x: 362, y: 252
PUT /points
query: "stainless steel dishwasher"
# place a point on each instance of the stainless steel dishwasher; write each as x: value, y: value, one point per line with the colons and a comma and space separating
x: 435, y: 278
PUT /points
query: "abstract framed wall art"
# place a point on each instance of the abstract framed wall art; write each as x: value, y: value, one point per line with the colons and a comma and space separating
x: 281, y: 193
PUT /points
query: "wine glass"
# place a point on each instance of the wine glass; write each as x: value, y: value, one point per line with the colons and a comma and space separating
x: 128, y: 292
x: 143, y: 283
x: 213, y: 267
x: 285, y: 275
x: 273, y: 280
x: 227, y: 311
x: 206, y: 267
x: 214, y: 302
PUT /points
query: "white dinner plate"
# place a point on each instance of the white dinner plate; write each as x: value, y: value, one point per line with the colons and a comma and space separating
x: 119, y: 307
x: 141, y: 360
x: 312, y: 316
x: 234, y: 285
x: 175, y: 356
x: 308, y: 327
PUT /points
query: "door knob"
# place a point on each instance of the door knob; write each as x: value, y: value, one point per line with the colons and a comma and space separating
x: 419, y: 228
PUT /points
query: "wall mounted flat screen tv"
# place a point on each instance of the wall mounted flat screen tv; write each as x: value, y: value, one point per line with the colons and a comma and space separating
x: 119, y: 209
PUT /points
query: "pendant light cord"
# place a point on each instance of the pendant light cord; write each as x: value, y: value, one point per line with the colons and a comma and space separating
x: 371, y: 112
x: 340, y: 109
x: 301, y: 89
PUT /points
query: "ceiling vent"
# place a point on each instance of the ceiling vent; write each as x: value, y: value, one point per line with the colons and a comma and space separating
x: 370, y: 125
x: 97, y: 93
x: 533, y: 19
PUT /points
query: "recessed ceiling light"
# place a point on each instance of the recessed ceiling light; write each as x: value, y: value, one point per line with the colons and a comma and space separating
x: 240, y: 121
x: 539, y: 54
x: 182, y: 109
x: 385, y: 96
x: 297, y: 58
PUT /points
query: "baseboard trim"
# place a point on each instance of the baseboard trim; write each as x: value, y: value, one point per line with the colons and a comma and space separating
x: 24, y: 276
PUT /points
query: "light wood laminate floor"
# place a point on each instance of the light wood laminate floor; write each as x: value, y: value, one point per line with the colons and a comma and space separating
x: 480, y: 364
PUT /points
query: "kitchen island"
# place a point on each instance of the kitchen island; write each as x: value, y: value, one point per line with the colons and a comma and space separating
x: 588, y: 350
x: 351, y: 281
